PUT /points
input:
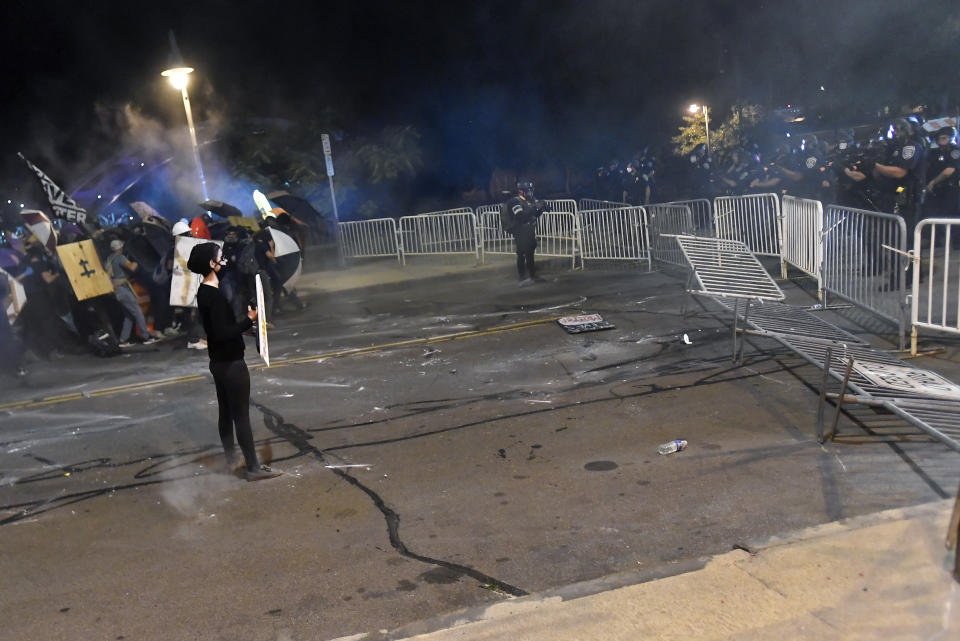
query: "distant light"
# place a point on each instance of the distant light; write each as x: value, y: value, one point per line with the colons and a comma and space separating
x: 99, y: 196
x: 694, y: 108
x: 141, y: 164
x: 789, y: 106
x: 21, y: 205
x: 788, y: 134
x: 179, y: 76
x: 9, y: 202
x: 821, y: 88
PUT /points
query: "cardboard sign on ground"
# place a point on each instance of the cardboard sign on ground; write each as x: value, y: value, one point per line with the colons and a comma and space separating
x: 86, y: 274
x: 262, y: 324
x: 584, y: 323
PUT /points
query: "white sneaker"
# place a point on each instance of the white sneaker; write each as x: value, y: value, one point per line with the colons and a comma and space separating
x: 198, y: 344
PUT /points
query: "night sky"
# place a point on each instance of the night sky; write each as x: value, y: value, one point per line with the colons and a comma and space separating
x: 489, y: 79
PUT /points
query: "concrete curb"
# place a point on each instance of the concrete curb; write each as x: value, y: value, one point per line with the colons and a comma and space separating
x: 533, y: 602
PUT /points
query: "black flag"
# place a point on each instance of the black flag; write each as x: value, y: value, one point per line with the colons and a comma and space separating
x: 63, y: 205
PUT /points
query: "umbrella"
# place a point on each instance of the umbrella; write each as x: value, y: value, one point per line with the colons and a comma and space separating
x: 143, y: 210
x: 287, y: 253
x: 41, y: 227
x: 221, y: 208
x: 140, y: 250
x: 297, y: 207
x: 158, y: 235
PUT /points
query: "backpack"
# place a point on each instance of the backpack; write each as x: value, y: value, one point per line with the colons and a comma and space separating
x: 247, y: 259
x: 104, y: 344
x: 507, y: 220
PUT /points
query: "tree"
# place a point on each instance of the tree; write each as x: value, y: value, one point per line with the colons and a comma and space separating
x: 730, y: 134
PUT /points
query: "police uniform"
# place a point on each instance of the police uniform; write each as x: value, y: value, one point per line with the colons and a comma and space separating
x: 523, y: 214
x: 899, y: 195
x: 942, y: 201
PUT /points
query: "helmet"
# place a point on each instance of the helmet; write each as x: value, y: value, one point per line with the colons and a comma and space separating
x: 903, y: 128
x: 180, y: 227
x: 199, y: 229
x: 944, y: 131
x: 525, y: 185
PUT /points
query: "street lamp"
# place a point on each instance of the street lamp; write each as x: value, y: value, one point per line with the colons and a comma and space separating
x: 706, y: 121
x: 179, y: 78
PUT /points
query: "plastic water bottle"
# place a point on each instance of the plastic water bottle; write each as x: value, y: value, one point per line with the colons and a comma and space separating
x: 672, y: 446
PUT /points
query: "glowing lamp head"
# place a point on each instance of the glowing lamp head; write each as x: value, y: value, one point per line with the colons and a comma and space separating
x: 694, y: 108
x: 178, y: 76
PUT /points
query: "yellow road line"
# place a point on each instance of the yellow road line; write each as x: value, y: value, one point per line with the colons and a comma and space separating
x: 132, y: 387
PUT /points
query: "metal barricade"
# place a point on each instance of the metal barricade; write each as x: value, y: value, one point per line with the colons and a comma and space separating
x: 493, y: 239
x: 591, y: 204
x: 451, y: 232
x: 864, y: 255
x: 564, y: 205
x: 935, y: 295
x: 802, y: 229
x: 667, y: 221
x: 369, y: 238
x: 754, y: 220
x: 615, y: 234
x: 702, y: 212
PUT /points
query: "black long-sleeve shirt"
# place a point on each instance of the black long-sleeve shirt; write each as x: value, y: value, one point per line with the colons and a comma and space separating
x: 224, y: 331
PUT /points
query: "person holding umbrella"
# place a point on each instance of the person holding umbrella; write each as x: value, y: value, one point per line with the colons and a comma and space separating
x: 225, y: 348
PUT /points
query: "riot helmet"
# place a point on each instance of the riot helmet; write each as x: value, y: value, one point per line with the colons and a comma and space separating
x: 525, y: 187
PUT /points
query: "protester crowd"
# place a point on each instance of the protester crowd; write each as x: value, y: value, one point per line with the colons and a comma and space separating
x: 138, y: 258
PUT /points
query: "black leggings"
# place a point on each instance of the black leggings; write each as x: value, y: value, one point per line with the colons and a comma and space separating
x: 233, y: 396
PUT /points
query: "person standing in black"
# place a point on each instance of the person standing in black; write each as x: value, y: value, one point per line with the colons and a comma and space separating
x: 519, y: 217
x: 225, y: 347
x: 942, y: 188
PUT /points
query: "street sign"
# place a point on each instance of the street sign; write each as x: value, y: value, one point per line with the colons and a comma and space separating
x: 327, y: 153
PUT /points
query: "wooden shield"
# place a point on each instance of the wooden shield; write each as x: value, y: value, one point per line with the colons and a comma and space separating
x: 84, y: 270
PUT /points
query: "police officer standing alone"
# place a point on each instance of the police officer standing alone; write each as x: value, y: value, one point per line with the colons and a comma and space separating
x: 942, y: 188
x: 519, y: 217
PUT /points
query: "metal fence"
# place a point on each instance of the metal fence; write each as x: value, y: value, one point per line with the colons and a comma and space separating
x: 450, y: 232
x: 702, y: 212
x: 590, y: 204
x: 753, y: 219
x: 802, y: 230
x: 369, y: 238
x: 859, y: 268
x: 667, y: 221
x: 615, y: 234
x: 935, y: 299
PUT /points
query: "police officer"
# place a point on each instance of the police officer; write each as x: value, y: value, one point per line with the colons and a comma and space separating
x: 519, y: 216
x: 899, y: 175
x: 700, y: 177
x: 942, y: 188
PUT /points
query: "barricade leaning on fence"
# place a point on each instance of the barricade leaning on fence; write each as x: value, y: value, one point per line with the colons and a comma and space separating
x: 802, y: 229
x: 615, y: 234
x: 667, y: 221
x: 864, y: 255
x: 701, y: 210
x: 935, y: 298
x: 369, y: 238
x: 754, y: 220
x: 440, y: 233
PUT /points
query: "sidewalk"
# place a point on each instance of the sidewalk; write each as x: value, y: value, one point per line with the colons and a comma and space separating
x: 881, y: 576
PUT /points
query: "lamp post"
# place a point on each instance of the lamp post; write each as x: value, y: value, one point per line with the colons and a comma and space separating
x: 706, y: 121
x: 179, y: 78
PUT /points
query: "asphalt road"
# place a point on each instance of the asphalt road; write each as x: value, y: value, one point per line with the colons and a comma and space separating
x: 466, y: 451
